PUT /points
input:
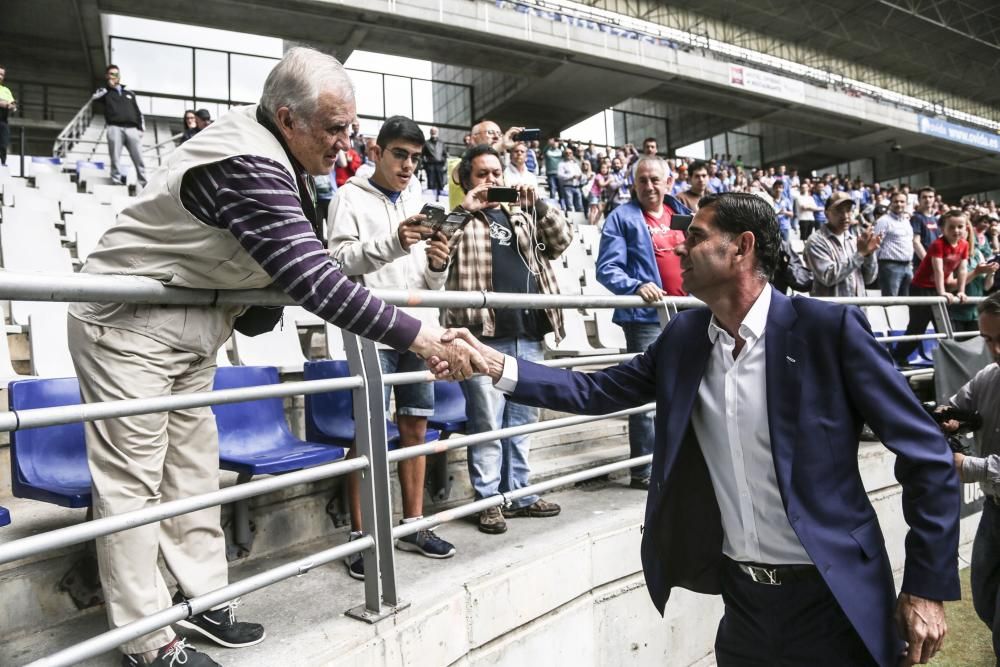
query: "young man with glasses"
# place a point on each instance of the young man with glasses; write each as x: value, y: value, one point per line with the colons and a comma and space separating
x: 125, y: 124
x: 376, y: 233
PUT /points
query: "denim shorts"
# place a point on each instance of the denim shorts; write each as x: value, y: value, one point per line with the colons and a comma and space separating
x: 415, y: 400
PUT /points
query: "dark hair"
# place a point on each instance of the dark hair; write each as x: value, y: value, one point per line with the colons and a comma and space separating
x: 399, y: 128
x: 738, y: 212
x: 950, y: 213
x: 189, y: 111
x: 463, y: 172
x: 926, y: 189
x: 648, y: 139
x: 990, y: 305
x: 111, y: 67
x: 696, y: 166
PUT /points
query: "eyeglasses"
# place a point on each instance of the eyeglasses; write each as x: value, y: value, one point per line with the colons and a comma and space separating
x: 402, y: 156
x: 114, y: 75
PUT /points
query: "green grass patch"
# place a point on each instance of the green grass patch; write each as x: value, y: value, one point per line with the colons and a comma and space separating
x: 968, y: 643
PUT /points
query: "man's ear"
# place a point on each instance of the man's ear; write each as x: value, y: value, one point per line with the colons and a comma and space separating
x: 377, y: 152
x: 745, y: 243
x: 283, y: 116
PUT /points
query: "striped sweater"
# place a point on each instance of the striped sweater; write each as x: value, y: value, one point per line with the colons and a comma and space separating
x: 256, y: 200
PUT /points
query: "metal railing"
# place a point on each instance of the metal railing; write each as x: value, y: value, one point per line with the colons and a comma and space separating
x: 367, y: 384
x: 74, y: 131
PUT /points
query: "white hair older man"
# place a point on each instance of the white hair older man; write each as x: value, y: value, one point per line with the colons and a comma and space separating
x: 232, y: 210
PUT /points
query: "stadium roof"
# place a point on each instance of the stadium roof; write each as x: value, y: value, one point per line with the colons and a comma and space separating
x: 944, y: 51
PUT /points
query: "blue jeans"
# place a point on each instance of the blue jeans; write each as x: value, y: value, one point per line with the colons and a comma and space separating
x: 571, y: 198
x: 985, y: 577
x: 894, y: 278
x: 500, y: 466
x: 639, y: 336
x: 553, y: 183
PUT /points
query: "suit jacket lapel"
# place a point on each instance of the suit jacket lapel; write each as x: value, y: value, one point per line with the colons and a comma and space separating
x: 687, y: 367
x: 783, y: 377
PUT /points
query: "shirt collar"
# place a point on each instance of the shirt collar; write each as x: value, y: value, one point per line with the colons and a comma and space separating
x: 752, y: 326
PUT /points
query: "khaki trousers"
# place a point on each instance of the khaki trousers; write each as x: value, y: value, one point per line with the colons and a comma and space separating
x: 140, y: 461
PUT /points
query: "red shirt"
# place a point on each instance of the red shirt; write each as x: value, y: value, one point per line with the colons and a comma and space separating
x: 664, y: 242
x: 342, y: 174
x: 951, y: 257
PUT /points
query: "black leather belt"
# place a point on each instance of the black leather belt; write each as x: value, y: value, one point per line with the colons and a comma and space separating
x: 776, y: 575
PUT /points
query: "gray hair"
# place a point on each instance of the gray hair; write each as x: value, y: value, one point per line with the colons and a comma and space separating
x: 656, y: 159
x: 297, y: 81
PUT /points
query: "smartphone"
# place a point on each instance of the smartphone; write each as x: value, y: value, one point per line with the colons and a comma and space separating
x: 452, y: 224
x: 505, y: 195
x: 680, y: 222
x: 435, y: 215
x: 528, y: 135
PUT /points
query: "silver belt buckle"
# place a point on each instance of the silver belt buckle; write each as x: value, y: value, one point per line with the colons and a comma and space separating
x: 762, y: 575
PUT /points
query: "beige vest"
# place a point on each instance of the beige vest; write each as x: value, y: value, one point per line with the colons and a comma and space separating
x: 156, y: 237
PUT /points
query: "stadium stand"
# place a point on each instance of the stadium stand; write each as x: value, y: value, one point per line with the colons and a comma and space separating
x: 4, y: 516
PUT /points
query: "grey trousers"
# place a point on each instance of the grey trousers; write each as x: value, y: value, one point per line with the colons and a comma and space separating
x: 141, y: 461
x: 131, y: 137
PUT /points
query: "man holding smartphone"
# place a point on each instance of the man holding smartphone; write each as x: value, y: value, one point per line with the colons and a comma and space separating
x: 376, y: 233
x: 504, y: 248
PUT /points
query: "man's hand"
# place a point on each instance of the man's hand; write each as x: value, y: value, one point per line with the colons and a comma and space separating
x: 448, y: 358
x: 508, y: 138
x: 494, y: 359
x: 413, y: 230
x: 475, y: 199
x: 868, y: 242
x: 528, y: 195
x: 650, y: 292
x: 921, y: 623
x: 439, y: 251
x: 949, y: 297
x: 985, y: 269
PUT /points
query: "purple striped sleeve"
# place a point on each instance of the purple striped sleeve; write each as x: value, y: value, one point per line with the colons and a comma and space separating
x: 255, y: 198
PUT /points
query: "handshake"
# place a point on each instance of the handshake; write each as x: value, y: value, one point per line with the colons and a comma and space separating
x: 455, y: 354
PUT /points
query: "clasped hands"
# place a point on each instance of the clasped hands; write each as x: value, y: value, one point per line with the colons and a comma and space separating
x: 455, y: 354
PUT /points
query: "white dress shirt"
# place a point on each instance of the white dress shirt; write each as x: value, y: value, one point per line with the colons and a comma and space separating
x: 731, y: 425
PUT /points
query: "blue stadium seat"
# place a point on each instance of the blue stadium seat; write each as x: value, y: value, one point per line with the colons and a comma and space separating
x: 88, y: 164
x: 253, y: 436
x: 449, y: 408
x: 41, y: 159
x: 49, y: 463
x: 330, y: 415
x: 4, y: 516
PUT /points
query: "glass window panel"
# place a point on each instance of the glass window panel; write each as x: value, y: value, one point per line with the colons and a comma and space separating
x: 368, y: 93
x: 398, y: 96
x: 211, y: 74
x: 153, y: 68
x: 166, y: 106
x: 247, y: 77
x: 423, y: 101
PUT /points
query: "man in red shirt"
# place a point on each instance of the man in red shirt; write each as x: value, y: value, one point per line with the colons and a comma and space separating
x: 946, y: 255
x: 637, y: 257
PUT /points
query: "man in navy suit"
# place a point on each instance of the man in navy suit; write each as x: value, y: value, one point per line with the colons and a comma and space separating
x: 755, y: 490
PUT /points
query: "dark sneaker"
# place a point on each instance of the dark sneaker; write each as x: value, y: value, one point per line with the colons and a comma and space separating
x: 175, y: 653
x: 538, y: 509
x: 426, y: 542
x: 222, y: 627
x: 641, y: 484
x: 355, y: 563
x: 491, y: 521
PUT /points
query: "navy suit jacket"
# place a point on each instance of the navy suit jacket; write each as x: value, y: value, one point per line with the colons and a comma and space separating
x: 826, y: 377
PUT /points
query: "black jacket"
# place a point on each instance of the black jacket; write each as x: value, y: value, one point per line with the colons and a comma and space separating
x: 120, y: 108
x: 791, y: 272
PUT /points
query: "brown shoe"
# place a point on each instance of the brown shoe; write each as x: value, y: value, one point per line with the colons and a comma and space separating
x: 491, y: 521
x: 538, y: 509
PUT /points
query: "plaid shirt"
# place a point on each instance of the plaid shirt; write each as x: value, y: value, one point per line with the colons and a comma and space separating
x: 472, y: 267
x: 838, y: 268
